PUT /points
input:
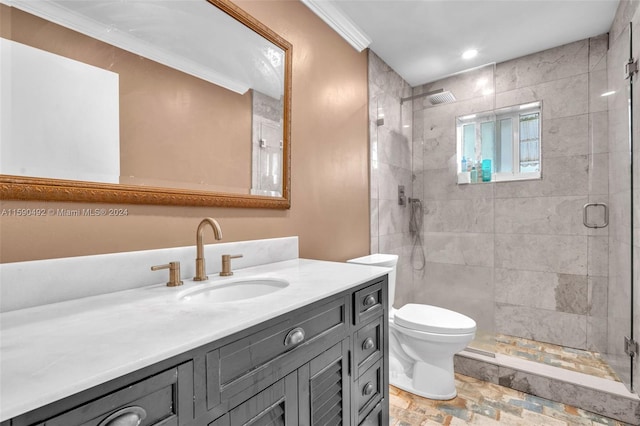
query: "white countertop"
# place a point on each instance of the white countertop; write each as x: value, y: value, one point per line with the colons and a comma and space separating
x: 53, y: 351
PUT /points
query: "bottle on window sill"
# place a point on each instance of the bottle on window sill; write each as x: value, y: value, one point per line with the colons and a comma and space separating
x: 474, y: 175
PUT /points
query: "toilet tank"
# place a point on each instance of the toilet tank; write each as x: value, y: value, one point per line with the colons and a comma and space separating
x: 386, y: 260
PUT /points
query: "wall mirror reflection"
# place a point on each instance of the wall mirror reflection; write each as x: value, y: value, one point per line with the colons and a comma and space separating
x: 173, y: 102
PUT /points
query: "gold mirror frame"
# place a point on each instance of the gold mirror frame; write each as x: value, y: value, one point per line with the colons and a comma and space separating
x: 28, y: 188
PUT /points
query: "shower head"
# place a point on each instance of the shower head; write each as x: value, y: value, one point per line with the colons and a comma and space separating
x: 441, y: 97
x: 435, y: 97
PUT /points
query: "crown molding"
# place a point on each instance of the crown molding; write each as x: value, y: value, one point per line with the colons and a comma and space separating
x: 340, y: 23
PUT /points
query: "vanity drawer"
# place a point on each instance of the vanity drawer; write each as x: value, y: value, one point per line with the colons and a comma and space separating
x: 368, y: 303
x: 275, y: 351
x: 368, y: 345
x: 164, y: 399
x: 374, y: 418
x: 369, y: 390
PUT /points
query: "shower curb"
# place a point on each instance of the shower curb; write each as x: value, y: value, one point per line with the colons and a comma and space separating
x: 604, y: 397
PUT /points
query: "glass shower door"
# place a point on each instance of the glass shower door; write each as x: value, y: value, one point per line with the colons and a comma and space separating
x: 619, y: 296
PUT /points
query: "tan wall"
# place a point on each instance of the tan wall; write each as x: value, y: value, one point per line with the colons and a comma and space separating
x: 330, y: 206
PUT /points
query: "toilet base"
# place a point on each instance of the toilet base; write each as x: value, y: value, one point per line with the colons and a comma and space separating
x: 421, y: 379
x: 402, y: 381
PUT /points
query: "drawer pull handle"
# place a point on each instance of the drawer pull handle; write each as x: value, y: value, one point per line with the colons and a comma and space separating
x: 294, y: 337
x: 368, y: 389
x: 128, y: 416
x: 369, y: 300
x: 368, y: 344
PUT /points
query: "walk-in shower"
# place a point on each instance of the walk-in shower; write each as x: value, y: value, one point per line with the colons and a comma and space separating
x: 516, y: 256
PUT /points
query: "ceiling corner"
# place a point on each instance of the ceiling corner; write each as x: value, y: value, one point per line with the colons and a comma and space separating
x: 340, y: 23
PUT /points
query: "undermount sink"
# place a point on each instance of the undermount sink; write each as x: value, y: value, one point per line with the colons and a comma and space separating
x: 236, y: 290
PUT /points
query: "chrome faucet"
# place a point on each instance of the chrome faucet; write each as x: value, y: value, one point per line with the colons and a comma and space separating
x: 200, y: 263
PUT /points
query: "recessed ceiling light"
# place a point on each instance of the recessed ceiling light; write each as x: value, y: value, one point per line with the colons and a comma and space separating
x: 468, y: 54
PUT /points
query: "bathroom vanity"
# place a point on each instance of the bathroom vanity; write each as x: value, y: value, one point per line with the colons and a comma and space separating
x: 312, y: 352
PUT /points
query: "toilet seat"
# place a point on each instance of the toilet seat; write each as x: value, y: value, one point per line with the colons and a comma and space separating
x: 433, y: 319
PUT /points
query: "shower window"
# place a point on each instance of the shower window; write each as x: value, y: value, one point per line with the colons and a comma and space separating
x: 500, y: 145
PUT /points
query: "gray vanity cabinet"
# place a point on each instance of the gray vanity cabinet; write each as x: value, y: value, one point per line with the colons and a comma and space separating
x: 165, y: 398
x: 324, y: 388
x: 322, y: 364
x: 275, y: 405
x: 370, y: 391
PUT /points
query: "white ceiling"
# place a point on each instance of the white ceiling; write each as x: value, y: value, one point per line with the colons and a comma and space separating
x: 189, y: 35
x: 423, y: 40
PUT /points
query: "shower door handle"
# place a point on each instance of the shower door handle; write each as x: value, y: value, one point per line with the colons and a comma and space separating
x: 585, y: 219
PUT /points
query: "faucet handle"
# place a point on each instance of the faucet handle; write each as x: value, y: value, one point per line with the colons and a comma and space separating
x: 226, y: 264
x: 174, y: 273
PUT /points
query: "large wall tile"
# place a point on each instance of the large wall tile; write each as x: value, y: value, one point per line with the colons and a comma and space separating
x: 565, y: 136
x: 459, y: 248
x: 598, y: 303
x: 596, y: 334
x: 599, y: 174
x: 550, y: 65
x: 540, y: 215
x: 389, y: 177
x: 598, y: 256
x: 560, y: 176
x: 545, y: 326
x: 598, y: 47
x: 560, y: 98
x: 467, y: 290
x: 598, y: 132
x: 392, y: 218
x: 439, y: 153
x: 374, y: 219
x: 542, y: 290
x: 598, y: 84
x: 393, y: 147
x: 474, y: 215
x: 545, y: 253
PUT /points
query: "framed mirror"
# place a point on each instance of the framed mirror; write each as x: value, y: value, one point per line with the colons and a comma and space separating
x: 173, y: 102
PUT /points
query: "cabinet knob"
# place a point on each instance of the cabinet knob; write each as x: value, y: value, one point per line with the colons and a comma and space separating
x: 128, y: 416
x: 294, y: 337
x: 368, y: 389
x: 368, y: 344
x: 369, y: 300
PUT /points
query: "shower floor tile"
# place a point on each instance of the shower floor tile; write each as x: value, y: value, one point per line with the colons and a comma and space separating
x: 484, y: 403
x: 582, y: 361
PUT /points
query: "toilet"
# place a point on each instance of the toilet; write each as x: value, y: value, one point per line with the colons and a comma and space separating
x: 422, y: 340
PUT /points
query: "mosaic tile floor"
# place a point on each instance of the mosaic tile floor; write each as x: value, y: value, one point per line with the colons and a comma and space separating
x: 578, y: 360
x: 483, y: 403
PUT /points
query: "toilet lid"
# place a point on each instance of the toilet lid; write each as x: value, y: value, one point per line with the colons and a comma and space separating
x: 433, y: 319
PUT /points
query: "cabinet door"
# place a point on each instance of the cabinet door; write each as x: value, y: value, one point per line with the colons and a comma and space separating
x: 276, y: 405
x: 324, y: 388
